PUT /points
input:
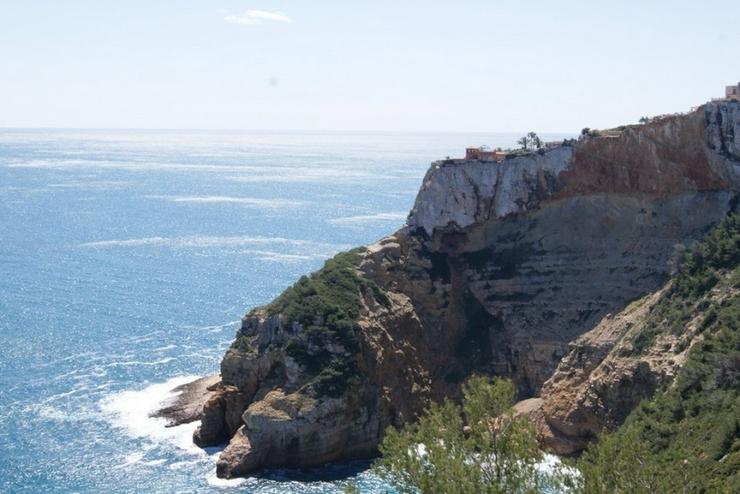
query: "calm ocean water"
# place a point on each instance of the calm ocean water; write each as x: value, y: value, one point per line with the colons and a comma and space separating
x: 126, y: 261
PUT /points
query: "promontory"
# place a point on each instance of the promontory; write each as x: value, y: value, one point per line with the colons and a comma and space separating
x: 527, y: 267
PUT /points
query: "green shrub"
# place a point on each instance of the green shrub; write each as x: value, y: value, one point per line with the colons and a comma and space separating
x: 479, y: 447
x: 687, y: 437
x: 327, y: 305
x: 698, y: 269
x: 243, y: 343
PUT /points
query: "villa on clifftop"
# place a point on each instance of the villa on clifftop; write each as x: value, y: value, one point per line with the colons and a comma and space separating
x: 733, y: 92
x: 483, y: 154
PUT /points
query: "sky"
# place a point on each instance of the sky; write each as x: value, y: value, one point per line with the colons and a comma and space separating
x: 356, y: 65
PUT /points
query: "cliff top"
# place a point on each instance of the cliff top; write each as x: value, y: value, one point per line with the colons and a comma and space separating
x: 665, y: 156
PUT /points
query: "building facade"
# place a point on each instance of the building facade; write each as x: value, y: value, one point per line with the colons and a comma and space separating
x: 733, y: 92
x: 484, y: 154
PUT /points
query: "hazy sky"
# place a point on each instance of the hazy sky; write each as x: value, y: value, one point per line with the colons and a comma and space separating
x: 498, y: 65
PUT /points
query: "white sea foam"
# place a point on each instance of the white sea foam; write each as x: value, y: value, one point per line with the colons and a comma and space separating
x: 131, y: 459
x: 90, y: 184
x: 551, y: 465
x: 205, y: 241
x: 130, y: 411
x: 137, y: 459
x: 214, y: 328
x: 309, y: 174
x: 215, y: 481
x: 164, y: 348
x: 133, y: 242
x: 273, y: 203
x: 153, y: 463
x: 369, y: 218
x: 49, y: 412
x: 270, y: 256
x: 86, y: 356
x: 182, y: 464
x: 137, y: 363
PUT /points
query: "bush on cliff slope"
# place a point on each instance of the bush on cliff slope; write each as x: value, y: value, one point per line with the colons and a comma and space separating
x: 698, y: 269
x: 687, y: 437
x: 327, y: 304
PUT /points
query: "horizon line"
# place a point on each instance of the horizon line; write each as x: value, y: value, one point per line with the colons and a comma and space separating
x: 277, y: 131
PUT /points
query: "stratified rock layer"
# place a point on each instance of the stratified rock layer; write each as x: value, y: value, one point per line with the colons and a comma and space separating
x: 500, y: 267
x: 625, y: 359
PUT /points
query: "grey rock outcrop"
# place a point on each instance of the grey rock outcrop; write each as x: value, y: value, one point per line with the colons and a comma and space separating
x: 458, y: 194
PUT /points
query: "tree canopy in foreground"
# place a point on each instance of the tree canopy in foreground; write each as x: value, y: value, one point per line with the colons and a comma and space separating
x: 480, y: 447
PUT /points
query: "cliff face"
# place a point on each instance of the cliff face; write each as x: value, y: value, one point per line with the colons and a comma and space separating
x: 677, y: 353
x: 631, y: 355
x: 499, y: 268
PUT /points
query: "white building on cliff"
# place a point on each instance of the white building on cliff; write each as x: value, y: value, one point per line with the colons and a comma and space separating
x: 733, y: 92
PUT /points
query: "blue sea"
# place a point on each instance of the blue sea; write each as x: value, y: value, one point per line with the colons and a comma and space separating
x: 126, y: 261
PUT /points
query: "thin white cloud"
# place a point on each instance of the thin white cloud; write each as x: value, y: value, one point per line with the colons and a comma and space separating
x: 255, y: 17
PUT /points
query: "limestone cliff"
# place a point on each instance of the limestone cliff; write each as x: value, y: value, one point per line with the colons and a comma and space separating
x: 499, y: 268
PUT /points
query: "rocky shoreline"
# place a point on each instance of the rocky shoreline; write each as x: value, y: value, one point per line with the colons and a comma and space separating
x: 188, y: 405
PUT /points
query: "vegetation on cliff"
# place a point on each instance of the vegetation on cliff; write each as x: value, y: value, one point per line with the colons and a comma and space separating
x: 687, y: 437
x: 479, y: 447
x: 698, y: 269
x: 326, y: 305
